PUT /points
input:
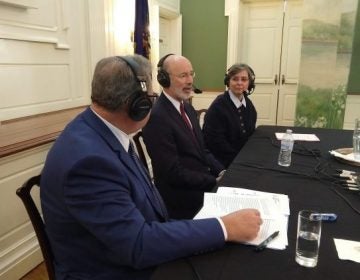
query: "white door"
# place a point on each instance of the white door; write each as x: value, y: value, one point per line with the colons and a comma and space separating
x: 164, y: 36
x: 168, y: 38
x: 270, y: 42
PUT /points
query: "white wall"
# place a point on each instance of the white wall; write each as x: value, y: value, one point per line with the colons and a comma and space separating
x: 44, y: 57
x: 19, y: 251
x: 48, y: 50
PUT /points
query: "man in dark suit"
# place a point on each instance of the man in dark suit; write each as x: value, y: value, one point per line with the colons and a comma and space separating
x: 183, y: 168
x: 104, y: 217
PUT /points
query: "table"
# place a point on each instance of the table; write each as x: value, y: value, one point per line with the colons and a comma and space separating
x: 255, y: 167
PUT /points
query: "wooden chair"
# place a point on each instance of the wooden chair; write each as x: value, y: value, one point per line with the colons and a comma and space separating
x: 141, y: 148
x: 200, y: 115
x: 24, y: 192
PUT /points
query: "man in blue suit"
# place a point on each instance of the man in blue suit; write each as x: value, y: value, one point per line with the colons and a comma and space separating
x: 104, y: 217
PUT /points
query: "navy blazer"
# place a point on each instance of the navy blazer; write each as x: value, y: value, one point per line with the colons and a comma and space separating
x: 225, y: 129
x: 100, y: 213
x: 183, y: 168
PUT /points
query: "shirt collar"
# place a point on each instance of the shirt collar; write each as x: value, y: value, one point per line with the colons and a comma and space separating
x: 123, y: 138
x: 173, y: 101
x: 236, y: 100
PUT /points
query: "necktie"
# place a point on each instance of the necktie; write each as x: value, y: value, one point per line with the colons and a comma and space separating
x: 146, y: 176
x: 183, y: 115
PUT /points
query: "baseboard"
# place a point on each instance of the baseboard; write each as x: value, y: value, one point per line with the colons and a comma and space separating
x: 21, y: 259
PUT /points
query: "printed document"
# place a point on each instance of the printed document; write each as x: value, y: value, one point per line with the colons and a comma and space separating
x: 274, y: 210
x: 299, y: 137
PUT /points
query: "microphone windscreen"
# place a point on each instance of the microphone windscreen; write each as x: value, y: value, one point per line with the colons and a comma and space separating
x: 196, y: 90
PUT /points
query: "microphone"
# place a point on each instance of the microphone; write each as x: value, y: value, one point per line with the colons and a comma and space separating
x: 196, y: 90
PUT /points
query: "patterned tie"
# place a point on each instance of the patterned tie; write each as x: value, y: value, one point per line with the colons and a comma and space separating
x: 186, y: 120
x: 158, y: 199
x: 183, y: 115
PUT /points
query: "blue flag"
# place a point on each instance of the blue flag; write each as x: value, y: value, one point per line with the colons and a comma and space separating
x: 142, y: 33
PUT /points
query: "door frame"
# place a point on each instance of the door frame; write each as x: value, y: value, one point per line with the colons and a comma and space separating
x: 235, y: 10
x: 160, y: 10
x: 232, y: 11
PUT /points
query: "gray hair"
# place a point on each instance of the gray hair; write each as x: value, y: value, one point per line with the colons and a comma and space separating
x: 238, y: 67
x: 114, y: 81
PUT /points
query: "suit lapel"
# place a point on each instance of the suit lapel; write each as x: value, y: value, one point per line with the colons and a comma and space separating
x: 100, y: 128
x: 146, y: 182
x: 175, y: 115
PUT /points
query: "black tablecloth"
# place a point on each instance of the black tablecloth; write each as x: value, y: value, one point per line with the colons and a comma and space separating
x: 308, y: 186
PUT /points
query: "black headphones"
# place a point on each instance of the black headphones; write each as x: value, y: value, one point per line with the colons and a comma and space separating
x: 251, y: 75
x: 163, y: 76
x: 139, y: 102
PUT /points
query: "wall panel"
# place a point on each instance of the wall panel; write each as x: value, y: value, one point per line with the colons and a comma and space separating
x: 44, y: 57
x: 48, y: 49
x: 19, y: 251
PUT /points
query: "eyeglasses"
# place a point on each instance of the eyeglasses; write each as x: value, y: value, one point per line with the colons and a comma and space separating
x: 185, y: 75
x: 242, y: 79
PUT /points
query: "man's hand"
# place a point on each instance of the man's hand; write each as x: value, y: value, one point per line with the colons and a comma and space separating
x: 242, y: 225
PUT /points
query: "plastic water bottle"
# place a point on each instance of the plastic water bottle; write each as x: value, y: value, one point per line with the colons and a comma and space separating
x: 287, y: 144
x: 356, y: 140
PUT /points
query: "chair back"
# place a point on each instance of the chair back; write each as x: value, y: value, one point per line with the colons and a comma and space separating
x: 200, y: 115
x: 24, y: 192
x: 141, y: 148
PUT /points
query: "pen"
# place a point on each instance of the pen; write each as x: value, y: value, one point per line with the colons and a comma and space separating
x: 326, y: 217
x: 347, y: 176
x: 343, y: 171
x: 353, y: 189
x: 351, y: 181
x: 263, y: 244
x: 350, y: 185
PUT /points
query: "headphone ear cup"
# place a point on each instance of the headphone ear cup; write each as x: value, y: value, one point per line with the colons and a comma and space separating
x: 139, y: 106
x: 252, y: 81
x: 251, y: 88
x: 226, y: 80
x: 163, y: 78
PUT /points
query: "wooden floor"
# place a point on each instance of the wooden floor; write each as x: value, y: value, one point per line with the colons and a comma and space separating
x: 38, y: 273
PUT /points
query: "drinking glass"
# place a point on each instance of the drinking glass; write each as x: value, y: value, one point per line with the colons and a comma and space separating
x: 356, y: 140
x: 308, y: 238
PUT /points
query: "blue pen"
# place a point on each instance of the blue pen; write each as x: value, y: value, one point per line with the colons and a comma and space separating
x: 326, y: 217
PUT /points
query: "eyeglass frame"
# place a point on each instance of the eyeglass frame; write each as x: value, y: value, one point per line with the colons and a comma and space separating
x: 184, y: 75
x: 242, y: 79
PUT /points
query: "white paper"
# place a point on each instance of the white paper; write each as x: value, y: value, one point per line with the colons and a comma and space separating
x: 274, y: 210
x: 280, y: 200
x: 348, y: 250
x: 299, y: 137
x: 266, y: 229
x: 216, y: 205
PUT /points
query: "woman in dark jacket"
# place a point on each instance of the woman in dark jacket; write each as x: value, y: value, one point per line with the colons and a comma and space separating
x: 231, y: 118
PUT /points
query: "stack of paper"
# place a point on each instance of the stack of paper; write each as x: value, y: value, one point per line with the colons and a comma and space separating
x: 274, y: 209
x: 299, y: 137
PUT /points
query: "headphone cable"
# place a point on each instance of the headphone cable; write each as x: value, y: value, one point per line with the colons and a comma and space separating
x: 322, y: 180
